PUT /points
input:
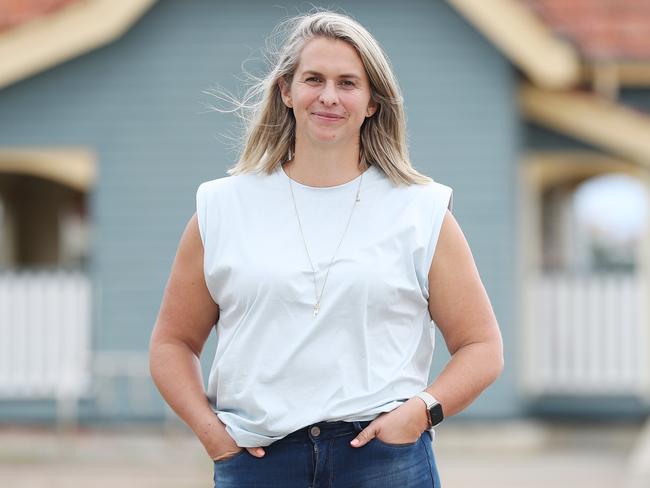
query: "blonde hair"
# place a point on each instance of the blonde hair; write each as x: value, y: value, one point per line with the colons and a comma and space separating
x: 270, y: 126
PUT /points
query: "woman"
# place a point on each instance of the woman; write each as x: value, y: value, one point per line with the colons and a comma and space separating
x: 323, y: 259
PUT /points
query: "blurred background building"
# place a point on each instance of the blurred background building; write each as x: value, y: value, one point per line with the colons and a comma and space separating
x: 536, y: 112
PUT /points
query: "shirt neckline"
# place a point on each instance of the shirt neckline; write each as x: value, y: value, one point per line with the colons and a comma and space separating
x: 286, y: 177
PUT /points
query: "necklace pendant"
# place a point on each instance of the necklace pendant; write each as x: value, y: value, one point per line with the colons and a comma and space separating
x: 316, y: 309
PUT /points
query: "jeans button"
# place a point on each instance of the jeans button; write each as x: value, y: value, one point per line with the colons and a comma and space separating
x: 315, y: 431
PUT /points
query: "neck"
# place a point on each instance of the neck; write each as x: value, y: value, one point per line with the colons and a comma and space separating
x: 325, y: 166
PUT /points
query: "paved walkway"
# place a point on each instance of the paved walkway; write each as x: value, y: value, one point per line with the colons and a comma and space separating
x: 504, y: 455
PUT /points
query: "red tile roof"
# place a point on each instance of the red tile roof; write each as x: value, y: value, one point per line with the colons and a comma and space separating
x: 600, y: 29
x: 16, y: 12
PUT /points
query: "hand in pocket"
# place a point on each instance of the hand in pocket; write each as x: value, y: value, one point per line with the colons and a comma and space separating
x: 225, y: 448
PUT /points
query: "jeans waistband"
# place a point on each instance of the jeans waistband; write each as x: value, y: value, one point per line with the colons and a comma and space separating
x: 326, y: 430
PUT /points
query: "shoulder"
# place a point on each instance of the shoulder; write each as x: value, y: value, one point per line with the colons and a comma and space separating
x: 229, y: 183
x: 443, y: 194
x: 433, y: 194
x: 218, y: 188
x: 215, y: 185
x: 437, y: 188
x: 209, y: 197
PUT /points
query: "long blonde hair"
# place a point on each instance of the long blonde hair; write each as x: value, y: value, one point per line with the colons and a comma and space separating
x: 270, y: 126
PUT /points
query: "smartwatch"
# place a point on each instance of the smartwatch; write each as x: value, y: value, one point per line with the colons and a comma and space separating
x: 434, y: 408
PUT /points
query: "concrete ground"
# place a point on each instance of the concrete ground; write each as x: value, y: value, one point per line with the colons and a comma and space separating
x: 504, y: 455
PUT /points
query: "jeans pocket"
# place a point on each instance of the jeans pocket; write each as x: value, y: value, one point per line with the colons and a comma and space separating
x: 391, y: 444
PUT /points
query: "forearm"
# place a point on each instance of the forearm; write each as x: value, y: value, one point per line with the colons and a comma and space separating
x: 176, y: 371
x: 470, y: 370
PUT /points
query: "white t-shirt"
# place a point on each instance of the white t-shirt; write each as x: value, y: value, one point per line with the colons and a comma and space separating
x: 277, y: 367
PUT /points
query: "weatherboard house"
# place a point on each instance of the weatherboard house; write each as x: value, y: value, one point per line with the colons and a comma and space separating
x: 533, y: 111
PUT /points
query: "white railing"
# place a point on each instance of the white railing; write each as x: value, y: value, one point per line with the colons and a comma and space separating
x: 587, y: 335
x: 45, y: 324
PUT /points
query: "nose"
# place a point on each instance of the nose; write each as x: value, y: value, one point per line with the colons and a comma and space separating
x: 328, y: 94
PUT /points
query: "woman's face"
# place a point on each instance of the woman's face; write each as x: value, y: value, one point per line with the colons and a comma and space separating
x: 329, y: 94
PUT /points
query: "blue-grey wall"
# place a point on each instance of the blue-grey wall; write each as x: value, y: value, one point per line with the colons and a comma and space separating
x: 139, y: 103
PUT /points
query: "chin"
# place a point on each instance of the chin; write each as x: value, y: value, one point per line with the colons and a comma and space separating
x: 325, y: 137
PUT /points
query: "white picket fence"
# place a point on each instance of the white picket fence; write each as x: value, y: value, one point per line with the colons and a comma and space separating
x: 45, y: 324
x: 587, y: 335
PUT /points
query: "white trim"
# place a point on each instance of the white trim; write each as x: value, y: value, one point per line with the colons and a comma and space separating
x: 73, y: 167
x: 591, y: 118
x: 549, y: 61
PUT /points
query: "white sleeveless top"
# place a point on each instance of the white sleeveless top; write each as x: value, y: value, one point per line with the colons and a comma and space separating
x: 277, y: 367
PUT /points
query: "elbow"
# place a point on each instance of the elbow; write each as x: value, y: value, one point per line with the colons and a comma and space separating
x: 498, y: 363
x: 156, y: 354
x: 153, y: 360
x: 492, y: 369
x: 500, y: 366
x: 492, y: 361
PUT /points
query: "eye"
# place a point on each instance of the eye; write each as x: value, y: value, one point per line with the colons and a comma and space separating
x: 348, y: 83
x: 313, y: 79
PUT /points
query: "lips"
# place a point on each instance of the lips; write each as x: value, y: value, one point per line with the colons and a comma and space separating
x: 328, y: 116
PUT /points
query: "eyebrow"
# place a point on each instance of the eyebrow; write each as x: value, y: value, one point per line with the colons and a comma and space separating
x: 347, y: 75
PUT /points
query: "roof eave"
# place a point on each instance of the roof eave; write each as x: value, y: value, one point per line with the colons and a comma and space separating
x: 525, y: 40
x: 62, y: 35
x: 595, y: 119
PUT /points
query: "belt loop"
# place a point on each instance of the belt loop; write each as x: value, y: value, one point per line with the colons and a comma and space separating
x: 357, y: 425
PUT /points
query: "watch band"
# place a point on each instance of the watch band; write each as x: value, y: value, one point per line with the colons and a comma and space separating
x: 429, y: 401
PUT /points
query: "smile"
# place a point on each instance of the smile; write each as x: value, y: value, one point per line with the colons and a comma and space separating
x: 327, y: 118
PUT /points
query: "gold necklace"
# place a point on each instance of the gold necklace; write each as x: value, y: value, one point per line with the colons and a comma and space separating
x: 293, y: 198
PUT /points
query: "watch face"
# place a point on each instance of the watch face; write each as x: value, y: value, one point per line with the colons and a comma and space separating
x: 436, y: 414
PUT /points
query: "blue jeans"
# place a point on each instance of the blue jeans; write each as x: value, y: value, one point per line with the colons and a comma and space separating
x: 320, y: 456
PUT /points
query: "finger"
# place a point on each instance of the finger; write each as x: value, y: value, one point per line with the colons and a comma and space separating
x: 365, y: 436
x: 256, y: 451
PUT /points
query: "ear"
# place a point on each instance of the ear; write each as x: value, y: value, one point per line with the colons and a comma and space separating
x: 285, y: 92
x: 372, y: 108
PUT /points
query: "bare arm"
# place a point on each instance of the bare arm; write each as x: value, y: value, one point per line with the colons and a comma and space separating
x: 186, y: 317
x: 460, y: 307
